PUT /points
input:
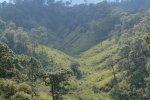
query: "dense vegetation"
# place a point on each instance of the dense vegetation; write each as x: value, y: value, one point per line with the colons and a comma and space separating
x: 107, y: 45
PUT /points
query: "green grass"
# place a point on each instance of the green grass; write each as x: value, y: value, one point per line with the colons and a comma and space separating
x: 99, y: 54
x: 43, y: 96
x: 60, y: 58
x: 96, y: 73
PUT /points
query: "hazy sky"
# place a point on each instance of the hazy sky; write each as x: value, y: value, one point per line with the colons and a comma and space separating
x: 81, y: 1
x: 74, y: 1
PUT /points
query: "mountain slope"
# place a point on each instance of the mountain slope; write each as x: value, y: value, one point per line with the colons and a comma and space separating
x: 125, y: 55
x: 97, y: 75
x: 71, y: 29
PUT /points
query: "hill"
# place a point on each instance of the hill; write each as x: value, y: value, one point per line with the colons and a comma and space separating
x: 53, y: 50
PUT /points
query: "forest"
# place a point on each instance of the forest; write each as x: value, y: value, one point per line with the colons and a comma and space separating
x: 56, y: 50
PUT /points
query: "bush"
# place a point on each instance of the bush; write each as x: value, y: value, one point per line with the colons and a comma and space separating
x: 1, y: 97
x: 21, y: 96
x: 10, y: 89
x: 24, y: 88
x: 7, y: 88
x: 43, y: 96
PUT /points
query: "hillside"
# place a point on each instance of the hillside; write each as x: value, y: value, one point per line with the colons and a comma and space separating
x: 97, y: 75
x: 52, y: 50
x: 70, y: 29
x: 103, y: 60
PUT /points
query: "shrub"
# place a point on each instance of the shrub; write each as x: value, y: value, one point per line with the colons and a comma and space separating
x: 24, y: 88
x: 21, y: 96
x: 7, y: 88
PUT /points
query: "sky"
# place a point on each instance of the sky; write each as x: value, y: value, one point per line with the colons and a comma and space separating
x: 81, y: 1
x: 74, y: 1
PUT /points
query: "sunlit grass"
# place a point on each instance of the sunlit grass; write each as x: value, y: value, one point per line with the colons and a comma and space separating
x: 43, y: 96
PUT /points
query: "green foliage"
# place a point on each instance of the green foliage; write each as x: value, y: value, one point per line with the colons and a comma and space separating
x: 21, y: 96
x: 2, y: 26
x: 124, y: 51
x: 58, y: 80
x: 7, y: 88
x: 16, y: 39
x: 76, y: 71
x: 10, y: 90
x: 8, y: 63
x: 24, y: 88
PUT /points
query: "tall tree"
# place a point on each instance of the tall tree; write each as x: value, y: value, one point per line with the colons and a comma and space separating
x: 111, y: 65
x: 58, y: 81
x: 9, y: 65
x: 49, y: 2
x: 33, y: 74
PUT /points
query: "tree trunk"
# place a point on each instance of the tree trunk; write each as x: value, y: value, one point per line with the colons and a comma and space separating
x: 115, y: 79
x: 53, y: 92
x: 32, y: 82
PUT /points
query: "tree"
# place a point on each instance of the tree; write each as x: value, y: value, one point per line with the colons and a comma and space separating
x: 22, y: 41
x: 147, y: 39
x: 111, y: 64
x: 147, y: 80
x: 124, y: 51
x: 39, y: 35
x: 76, y: 70
x: 31, y: 71
x: 10, y: 1
x: 117, y: 1
x: 58, y: 81
x: 9, y: 65
x: 85, y: 1
x: 3, y: 4
x: 17, y: 1
x: 68, y: 3
x: 9, y: 37
x: 39, y: 2
x: 2, y: 26
x: 49, y: 2
x: 33, y: 74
